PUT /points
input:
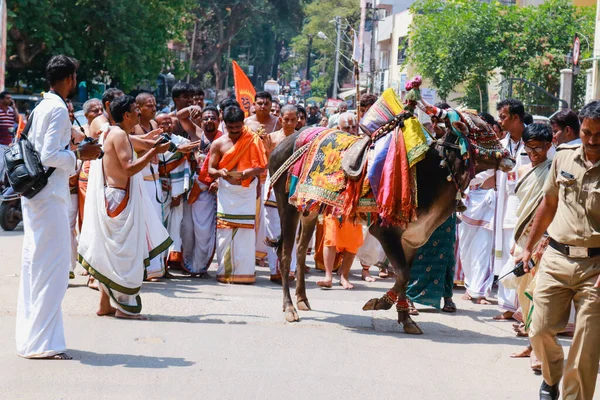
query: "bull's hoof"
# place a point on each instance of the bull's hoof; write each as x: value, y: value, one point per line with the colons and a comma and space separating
x: 291, y: 315
x: 377, y: 304
x: 370, y: 305
x: 303, y: 305
x: 411, y: 327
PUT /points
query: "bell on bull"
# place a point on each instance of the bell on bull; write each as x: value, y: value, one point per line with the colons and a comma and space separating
x: 436, y: 197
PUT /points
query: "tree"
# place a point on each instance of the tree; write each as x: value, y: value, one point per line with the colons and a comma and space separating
x: 318, y: 16
x: 451, y: 53
x: 254, y: 29
x: 125, y: 40
x: 525, y: 42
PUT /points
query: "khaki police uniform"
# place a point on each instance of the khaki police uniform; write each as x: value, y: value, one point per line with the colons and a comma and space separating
x: 567, y: 273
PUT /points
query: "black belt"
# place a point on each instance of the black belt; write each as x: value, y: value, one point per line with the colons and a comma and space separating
x: 574, y: 251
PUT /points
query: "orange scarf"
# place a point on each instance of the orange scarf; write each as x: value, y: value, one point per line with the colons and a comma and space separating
x: 248, y: 152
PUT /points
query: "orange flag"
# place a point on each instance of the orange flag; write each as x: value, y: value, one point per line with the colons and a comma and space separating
x: 244, y: 91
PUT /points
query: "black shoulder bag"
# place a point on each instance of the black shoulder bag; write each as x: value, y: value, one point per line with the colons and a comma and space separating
x: 25, y: 171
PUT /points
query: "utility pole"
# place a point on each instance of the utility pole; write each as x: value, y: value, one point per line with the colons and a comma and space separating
x: 372, y: 49
x: 310, y: 39
x: 596, y: 56
x: 338, y: 28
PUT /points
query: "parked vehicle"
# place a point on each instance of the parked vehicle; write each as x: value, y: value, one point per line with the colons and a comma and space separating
x: 10, y: 209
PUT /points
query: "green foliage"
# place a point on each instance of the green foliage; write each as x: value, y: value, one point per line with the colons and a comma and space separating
x: 318, y: 14
x: 253, y: 31
x: 454, y: 42
x: 525, y: 42
x: 125, y: 40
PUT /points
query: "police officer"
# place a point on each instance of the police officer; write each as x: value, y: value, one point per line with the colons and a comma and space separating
x: 570, y: 268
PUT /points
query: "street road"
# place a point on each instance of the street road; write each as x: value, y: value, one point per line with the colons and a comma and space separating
x: 206, y: 340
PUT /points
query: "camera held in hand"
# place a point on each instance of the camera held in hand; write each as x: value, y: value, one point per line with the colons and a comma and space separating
x: 162, y: 139
x: 89, y: 140
x: 165, y: 138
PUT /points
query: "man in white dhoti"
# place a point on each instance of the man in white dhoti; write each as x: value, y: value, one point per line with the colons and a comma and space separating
x: 510, y: 115
x: 47, y: 234
x: 476, y: 238
x: 77, y: 136
x: 270, y: 216
x: 147, y: 106
x: 200, y: 216
x: 174, y: 170
x: 369, y: 254
x: 236, y: 160
x: 118, y: 239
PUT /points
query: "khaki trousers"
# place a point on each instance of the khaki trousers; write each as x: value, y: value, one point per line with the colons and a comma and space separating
x: 562, y: 280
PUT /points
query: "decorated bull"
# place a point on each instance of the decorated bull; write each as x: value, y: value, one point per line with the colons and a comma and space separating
x: 394, y: 175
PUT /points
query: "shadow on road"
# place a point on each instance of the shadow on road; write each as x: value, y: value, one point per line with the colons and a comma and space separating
x: 203, y: 319
x: 127, y: 360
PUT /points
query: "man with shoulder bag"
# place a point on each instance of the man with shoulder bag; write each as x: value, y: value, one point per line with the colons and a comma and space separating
x: 47, y: 238
x: 569, y: 270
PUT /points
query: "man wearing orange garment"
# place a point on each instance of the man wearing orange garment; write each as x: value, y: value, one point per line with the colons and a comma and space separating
x: 236, y: 161
x: 341, y: 236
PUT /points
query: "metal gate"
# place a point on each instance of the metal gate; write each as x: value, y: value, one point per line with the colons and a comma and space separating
x: 537, y: 100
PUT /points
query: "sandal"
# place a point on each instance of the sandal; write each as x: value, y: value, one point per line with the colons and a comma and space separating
x: 449, y: 306
x: 412, y: 309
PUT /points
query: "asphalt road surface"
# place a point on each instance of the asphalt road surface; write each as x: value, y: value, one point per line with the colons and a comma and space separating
x: 207, y: 340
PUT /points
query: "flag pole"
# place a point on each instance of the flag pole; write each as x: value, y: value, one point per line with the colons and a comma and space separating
x: 357, y: 80
x: 356, y: 56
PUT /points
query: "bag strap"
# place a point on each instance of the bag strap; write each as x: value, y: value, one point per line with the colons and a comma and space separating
x: 27, y: 127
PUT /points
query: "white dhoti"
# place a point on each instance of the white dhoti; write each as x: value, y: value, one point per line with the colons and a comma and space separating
x: 44, y: 277
x: 73, y: 213
x: 476, y: 242
x: 188, y: 240
x: 173, y: 219
x: 118, y: 238
x: 236, y: 238
x: 262, y: 250
x: 203, y: 232
x: 152, y: 185
x: 176, y: 173
x: 507, y: 298
x: 371, y: 252
x: 272, y: 231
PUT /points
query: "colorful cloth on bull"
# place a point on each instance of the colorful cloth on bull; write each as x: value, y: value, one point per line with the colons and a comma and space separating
x: 385, y: 108
x: 322, y: 183
x: 432, y: 271
x: 294, y: 173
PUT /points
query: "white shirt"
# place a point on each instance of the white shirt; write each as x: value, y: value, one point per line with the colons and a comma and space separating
x: 50, y: 134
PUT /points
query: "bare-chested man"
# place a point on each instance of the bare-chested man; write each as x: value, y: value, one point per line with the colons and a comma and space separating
x: 263, y: 122
x: 91, y: 109
x: 270, y: 217
x: 117, y: 237
x: 236, y: 160
x: 190, y: 118
x: 222, y: 106
x: 147, y: 105
x: 101, y: 125
x: 183, y: 96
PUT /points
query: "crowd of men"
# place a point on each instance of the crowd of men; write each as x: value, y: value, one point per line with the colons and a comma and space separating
x: 156, y: 193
